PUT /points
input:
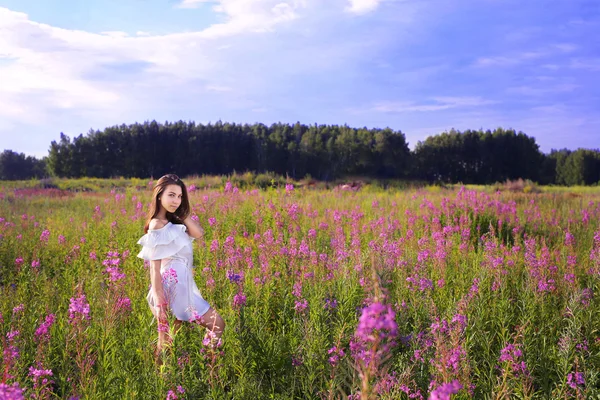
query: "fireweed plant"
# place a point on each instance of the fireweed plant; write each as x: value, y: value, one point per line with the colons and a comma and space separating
x: 417, y: 294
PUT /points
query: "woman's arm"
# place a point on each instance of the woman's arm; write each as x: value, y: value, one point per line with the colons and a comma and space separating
x: 194, y: 229
x: 156, y: 280
x: 158, y: 294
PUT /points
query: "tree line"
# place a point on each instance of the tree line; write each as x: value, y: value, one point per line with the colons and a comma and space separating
x: 324, y: 152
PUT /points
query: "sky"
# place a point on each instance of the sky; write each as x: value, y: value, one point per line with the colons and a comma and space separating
x: 421, y: 67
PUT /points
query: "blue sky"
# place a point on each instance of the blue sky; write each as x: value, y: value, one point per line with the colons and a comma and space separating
x: 419, y: 66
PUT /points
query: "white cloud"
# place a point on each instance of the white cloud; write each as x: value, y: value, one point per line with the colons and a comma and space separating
x: 115, y: 34
x: 73, y: 80
x: 96, y: 75
x: 362, y: 6
x: 248, y: 15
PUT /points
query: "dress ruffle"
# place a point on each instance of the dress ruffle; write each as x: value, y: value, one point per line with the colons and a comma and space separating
x: 164, y: 242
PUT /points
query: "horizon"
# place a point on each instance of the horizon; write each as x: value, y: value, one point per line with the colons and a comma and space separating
x: 410, y: 145
x: 419, y: 67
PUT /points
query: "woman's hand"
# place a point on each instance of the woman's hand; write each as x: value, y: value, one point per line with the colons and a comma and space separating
x: 162, y: 313
x: 194, y: 229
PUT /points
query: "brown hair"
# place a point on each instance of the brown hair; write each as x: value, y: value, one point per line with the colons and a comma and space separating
x: 182, y: 212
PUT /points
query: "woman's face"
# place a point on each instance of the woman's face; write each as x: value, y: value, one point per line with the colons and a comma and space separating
x: 170, y: 199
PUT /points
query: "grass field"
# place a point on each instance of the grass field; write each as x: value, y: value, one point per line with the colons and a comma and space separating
x: 327, y: 294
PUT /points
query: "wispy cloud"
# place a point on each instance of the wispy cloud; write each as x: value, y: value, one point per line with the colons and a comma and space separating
x: 517, y: 58
x: 436, y: 104
x: 115, y: 34
x: 590, y: 64
x: 362, y: 6
x: 542, y: 90
x: 218, y: 88
x: 192, y: 3
x: 508, y: 61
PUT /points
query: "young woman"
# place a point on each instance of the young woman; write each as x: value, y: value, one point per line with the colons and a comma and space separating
x: 167, y: 244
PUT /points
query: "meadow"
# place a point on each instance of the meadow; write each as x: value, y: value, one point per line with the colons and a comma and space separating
x: 327, y: 294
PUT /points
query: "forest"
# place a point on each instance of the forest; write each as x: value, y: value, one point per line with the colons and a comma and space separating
x: 322, y: 152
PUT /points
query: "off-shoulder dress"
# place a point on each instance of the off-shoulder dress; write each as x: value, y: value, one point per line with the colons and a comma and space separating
x: 173, y: 246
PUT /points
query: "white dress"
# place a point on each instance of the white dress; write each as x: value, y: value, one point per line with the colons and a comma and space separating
x: 173, y: 246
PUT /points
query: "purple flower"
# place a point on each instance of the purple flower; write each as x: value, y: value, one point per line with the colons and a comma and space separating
x: 41, y: 383
x: 239, y: 300
x: 301, y: 305
x: 474, y: 288
x: 43, y: 331
x: 586, y: 296
x: 171, y: 395
x: 38, y: 373
x: 11, y: 392
x: 45, y: 236
x: 297, y: 290
x: 546, y: 285
x: 79, y: 309
x: 460, y: 320
x: 512, y: 354
x: 335, y: 355
x: 211, y: 340
x: 114, y: 273
x: 331, y: 304
x: 375, y: 334
x: 506, y: 354
x: 123, y: 304
x: 575, y: 379
x: 387, y: 383
x: 569, y: 239
x: 169, y: 277
x: 443, y: 392
x: 377, y: 320
x: 234, y: 277
x: 569, y: 278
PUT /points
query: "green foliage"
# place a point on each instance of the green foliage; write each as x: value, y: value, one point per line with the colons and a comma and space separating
x: 17, y: 166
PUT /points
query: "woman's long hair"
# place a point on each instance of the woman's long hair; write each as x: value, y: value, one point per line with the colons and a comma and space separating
x: 182, y: 212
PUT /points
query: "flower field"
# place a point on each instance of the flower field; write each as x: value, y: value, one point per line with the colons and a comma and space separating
x: 327, y: 294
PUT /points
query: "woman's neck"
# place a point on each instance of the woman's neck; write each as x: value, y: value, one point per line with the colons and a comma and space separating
x: 161, y: 214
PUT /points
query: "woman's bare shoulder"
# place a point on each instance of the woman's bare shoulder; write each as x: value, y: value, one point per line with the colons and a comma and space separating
x: 156, y: 223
